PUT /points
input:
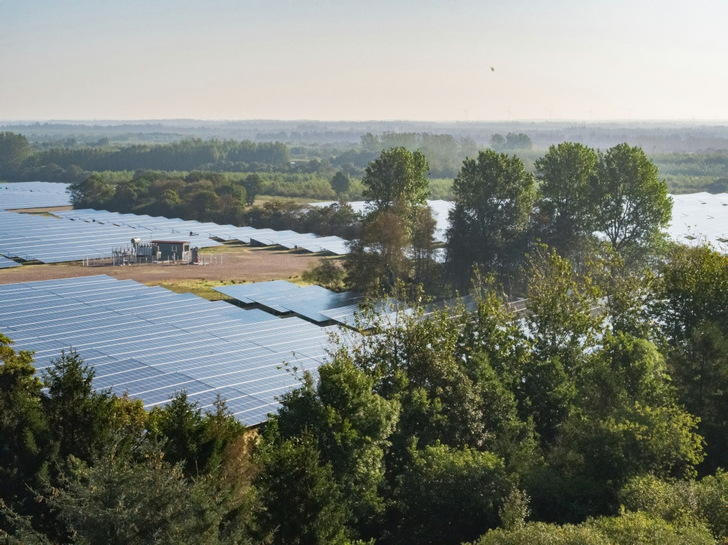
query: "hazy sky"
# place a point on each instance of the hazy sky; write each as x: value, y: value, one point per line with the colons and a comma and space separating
x: 365, y: 59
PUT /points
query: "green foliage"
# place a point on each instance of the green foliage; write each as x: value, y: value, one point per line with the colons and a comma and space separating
x: 14, y: 149
x: 692, y: 309
x: 78, y: 417
x: 193, y: 440
x: 632, y: 203
x: 565, y: 209
x: 448, y: 496
x: 562, y: 303
x: 327, y: 274
x: 396, y: 180
x: 377, y: 261
x: 120, y: 501
x: 340, y: 183
x: 91, y: 192
x: 563, y: 325
x: 538, y: 533
x: 301, y: 502
x: 626, y: 370
x: 682, y: 502
x: 352, y: 425
x: 24, y: 436
x: 397, y: 220
x: 626, y: 529
x: 493, y: 201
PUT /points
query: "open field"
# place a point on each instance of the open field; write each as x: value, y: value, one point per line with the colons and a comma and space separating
x: 230, y: 263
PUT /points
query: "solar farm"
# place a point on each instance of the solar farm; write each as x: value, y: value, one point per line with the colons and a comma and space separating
x: 78, y: 235
x: 151, y: 343
x: 33, y: 195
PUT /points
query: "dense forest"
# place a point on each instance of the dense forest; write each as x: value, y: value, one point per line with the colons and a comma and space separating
x: 300, y: 161
x: 597, y: 415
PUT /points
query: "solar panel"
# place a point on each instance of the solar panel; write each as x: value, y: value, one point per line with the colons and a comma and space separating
x: 33, y: 195
x: 152, y: 343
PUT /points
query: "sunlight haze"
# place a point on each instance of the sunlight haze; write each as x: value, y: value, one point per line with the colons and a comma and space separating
x: 425, y: 60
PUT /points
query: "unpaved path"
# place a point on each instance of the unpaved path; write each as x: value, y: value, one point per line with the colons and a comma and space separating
x: 235, y: 263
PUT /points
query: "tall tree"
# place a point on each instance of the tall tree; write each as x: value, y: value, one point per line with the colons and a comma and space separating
x: 91, y: 192
x: 302, y: 504
x: 396, y: 180
x: 493, y: 197
x: 631, y: 202
x: 565, y: 207
x: 14, y: 149
x: 396, y: 193
x: 78, y: 417
x: 340, y: 183
x: 24, y: 438
x: 692, y: 309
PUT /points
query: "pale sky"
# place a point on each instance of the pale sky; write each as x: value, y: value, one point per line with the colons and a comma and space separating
x: 364, y: 60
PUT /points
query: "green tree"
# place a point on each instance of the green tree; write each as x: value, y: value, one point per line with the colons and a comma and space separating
x: 352, y: 426
x: 340, y: 183
x: 78, y: 417
x: 180, y: 425
x: 493, y: 197
x: 253, y: 184
x: 632, y: 206
x: 14, y: 149
x: 117, y: 500
x: 301, y: 502
x: 563, y: 325
x: 626, y: 529
x: 679, y: 502
x: 24, y: 436
x: 93, y: 192
x: 327, y: 274
x: 566, y: 209
x: 396, y: 180
x: 377, y: 261
x: 692, y: 310
x: 448, y: 496
x: 395, y: 191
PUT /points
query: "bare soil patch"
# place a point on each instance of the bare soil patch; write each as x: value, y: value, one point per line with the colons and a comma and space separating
x: 230, y: 264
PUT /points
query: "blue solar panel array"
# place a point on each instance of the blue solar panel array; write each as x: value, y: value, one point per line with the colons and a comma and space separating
x: 310, y: 302
x: 152, y: 343
x: 6, y: 263
x: 186, y: 228
x: 53, y: 240
x: 33, y: 195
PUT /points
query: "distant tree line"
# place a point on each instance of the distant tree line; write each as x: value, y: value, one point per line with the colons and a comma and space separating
x: 304, y: 170
x: 209, y: 196
x: 597, y: 416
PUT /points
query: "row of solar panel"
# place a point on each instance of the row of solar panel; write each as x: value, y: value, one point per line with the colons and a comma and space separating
x: 151, y: 343
x: 53, y: 240
x: 33, y: 195
x: 6, y: 263
x: 185, y: 228
x: 313, y: 303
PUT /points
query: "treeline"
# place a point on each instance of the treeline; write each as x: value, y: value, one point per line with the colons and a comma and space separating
x: 190, y: 154
x: 596, y: 416
x: 208, y: 196
x: 581, y: 202
x: 305, y: 169
x: 694, y: 172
